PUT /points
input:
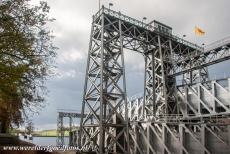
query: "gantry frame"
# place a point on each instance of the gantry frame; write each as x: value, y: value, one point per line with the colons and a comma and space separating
x: 107, y: 127
x: 60, y: 141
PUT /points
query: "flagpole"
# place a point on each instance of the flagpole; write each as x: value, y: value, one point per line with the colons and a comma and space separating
x: 99, y: 4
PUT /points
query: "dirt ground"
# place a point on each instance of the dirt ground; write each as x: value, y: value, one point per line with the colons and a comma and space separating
x: 7, y: 140
x: 68, y: 152
x: 12, y: 141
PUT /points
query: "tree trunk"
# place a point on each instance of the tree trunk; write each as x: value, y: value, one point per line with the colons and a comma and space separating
x: 4, y: 126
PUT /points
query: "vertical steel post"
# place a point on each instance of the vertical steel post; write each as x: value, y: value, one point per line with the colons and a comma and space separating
x: 164, y: 92
x: 124, y: 86
x: 145, y: 80
x: 182, y: 137
x: 85, y: 86
x: 101, y: 128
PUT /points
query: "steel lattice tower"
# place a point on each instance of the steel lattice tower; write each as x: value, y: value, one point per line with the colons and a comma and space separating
x: 114, y: 125
x: 105, y: 91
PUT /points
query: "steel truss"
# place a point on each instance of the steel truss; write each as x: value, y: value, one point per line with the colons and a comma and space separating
x: 198, y: 60
x: 60, y: 126
x: 115, y: 125
x: 105, y: 90
x: 181, y: 138
x: 205, y: 99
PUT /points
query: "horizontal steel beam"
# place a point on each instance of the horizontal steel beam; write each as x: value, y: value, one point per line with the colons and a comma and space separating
x: 202, y: 59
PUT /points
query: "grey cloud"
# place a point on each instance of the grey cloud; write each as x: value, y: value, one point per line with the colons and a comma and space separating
x: 72, y: 27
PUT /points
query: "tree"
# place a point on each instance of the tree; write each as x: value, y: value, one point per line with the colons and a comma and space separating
x: 29, y: 128
x: 27, y: 56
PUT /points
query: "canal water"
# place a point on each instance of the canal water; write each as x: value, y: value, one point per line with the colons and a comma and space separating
x: 44, y: 141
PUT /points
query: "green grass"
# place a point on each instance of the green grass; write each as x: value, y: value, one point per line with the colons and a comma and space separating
x: 52, y: 132
x: 45, y: 133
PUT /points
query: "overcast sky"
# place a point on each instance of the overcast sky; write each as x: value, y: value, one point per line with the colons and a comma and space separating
x: 72, y: 31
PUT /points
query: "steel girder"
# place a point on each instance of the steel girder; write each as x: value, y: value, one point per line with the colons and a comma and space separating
x: 200, y: 101
x: 159, y: 93
x: 185, y: 133
x: 105, y: 129
x: 60, y: 131
x: 205, y: 99
x: 198, y: 60
x: 182, y: 138
x: 112, y: 125
x: 60, y: 125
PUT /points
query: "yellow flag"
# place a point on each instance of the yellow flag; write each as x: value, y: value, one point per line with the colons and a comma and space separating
x: 198, y: 31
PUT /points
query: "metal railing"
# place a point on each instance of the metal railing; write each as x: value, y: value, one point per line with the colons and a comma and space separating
x: 146, y: 26
x: 217, y: 44
x: 190, y: 118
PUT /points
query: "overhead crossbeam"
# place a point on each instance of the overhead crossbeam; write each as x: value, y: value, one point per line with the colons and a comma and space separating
x: 202, y: 59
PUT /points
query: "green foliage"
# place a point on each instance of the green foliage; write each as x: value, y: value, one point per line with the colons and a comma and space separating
x: 29, y: 127
x: 26, y: 58
x: 50, y: 133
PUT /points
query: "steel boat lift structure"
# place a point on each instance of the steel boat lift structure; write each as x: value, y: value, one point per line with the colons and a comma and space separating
x: 190, y: 118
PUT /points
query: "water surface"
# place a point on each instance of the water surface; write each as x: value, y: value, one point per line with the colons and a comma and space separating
x: 44, y: 141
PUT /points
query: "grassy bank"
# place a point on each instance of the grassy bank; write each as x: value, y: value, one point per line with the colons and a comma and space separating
x: 48, y: 133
